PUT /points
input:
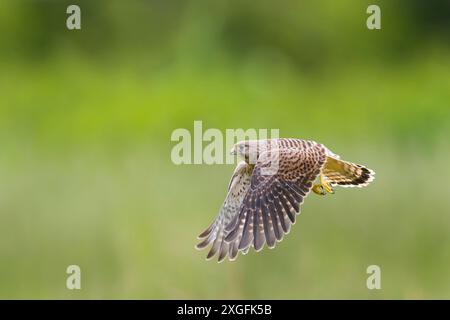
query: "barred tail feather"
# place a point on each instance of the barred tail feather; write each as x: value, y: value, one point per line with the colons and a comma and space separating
x: 347, y: 174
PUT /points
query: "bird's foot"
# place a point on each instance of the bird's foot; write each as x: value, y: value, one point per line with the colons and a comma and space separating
x: 326, y: 185
x: 318, y: 189
x: 322, y: 188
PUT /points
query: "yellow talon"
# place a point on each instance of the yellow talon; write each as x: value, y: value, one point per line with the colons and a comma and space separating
x: 326, y: 185
x: 318, y: 189
x: 322, y: 188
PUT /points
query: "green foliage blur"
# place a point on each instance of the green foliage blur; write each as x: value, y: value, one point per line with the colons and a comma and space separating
x: 86, y: 118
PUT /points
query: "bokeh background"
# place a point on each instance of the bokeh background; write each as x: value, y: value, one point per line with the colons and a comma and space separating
x: 86, y: 117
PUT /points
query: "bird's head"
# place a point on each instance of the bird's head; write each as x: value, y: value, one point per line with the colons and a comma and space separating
x: 247, y: 149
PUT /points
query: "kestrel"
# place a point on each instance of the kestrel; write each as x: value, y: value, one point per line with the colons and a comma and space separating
x: 267, y: 188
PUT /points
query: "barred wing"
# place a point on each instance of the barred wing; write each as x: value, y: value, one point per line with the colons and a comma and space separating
x: 273, y: 201
x: 215, y: 233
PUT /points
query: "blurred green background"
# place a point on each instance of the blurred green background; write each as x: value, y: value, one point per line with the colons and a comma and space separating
x: 85, y: 124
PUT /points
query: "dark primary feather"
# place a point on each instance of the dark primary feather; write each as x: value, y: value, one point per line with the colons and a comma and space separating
x: 215, y: 233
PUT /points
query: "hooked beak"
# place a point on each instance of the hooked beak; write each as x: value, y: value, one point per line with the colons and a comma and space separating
x: 233, y: 151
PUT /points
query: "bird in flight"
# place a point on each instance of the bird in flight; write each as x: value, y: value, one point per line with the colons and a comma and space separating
x: 267, y: 189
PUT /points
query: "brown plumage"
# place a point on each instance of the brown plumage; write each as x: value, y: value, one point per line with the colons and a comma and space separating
x: 267, y: 189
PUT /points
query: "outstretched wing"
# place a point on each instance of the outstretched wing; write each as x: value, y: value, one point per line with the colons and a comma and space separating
x: 215, y: 233
x: 273, y: 201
